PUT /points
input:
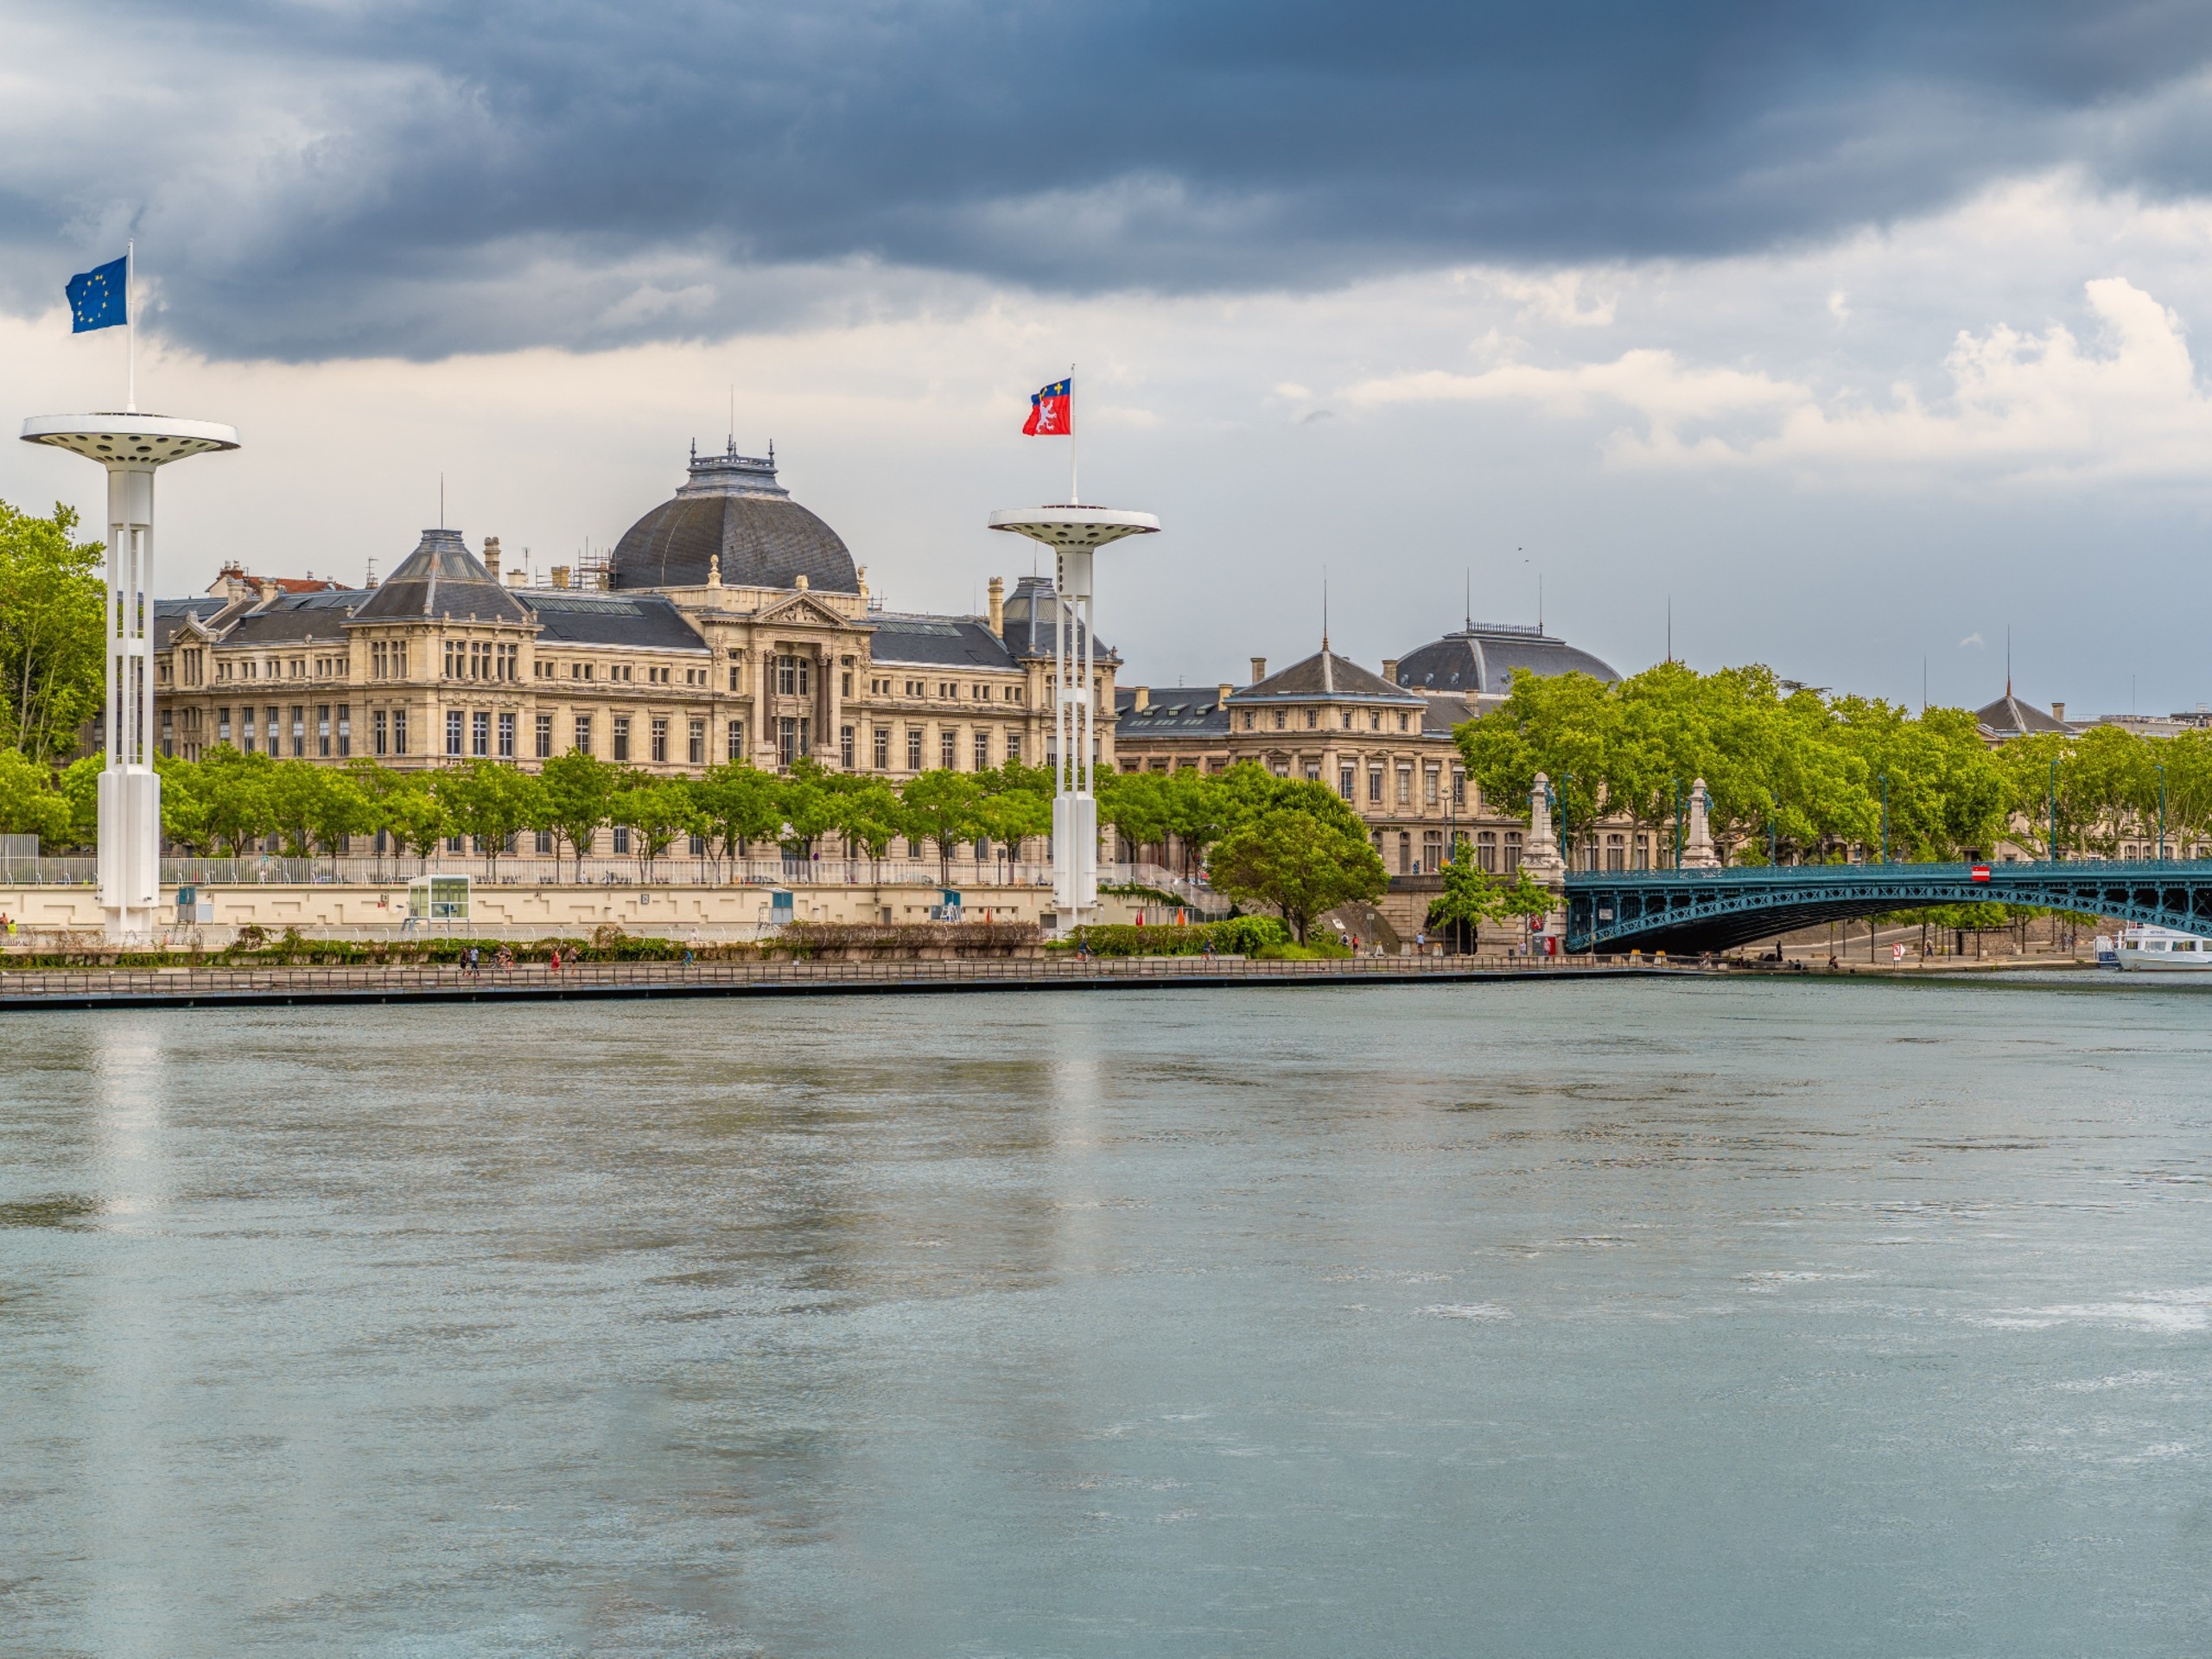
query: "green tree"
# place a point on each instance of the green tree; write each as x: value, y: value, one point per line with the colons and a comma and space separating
x: 80, y: 788
x: 490, y: 803
x: 184, y: 804
x: 297, y: 802
x: 945, y: 807
x: 1300, y: 863
x: 416, y: 817
x: 52, y: 661
x: 235, y: 789
x: 739, y: 803
x: 1465, y: 904
x: 1197, y: 811
x: 1132, y: 804
x: 656, y: 811
x: 868, y: 816
x: 30, y: 803
x: 579, y: 794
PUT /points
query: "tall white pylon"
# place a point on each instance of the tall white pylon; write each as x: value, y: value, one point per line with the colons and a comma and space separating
x: 1074, y: 534
x: 131, y: 447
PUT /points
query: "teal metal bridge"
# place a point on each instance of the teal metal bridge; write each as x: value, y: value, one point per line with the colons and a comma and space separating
x: 1676, y: 911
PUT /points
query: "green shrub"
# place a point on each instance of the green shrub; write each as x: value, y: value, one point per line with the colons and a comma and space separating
x: 1320, y: 950
x: 1240, y: 935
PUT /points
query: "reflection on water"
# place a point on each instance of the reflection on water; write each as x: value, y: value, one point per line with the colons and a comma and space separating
x: 1561, y: 1319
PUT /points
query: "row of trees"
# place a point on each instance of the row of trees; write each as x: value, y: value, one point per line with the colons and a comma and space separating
x: 1293, y: 847
x: 234, y: 803
x: 1807, y: 773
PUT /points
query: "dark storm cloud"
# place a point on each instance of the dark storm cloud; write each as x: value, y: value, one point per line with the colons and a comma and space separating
x: 332, y: 181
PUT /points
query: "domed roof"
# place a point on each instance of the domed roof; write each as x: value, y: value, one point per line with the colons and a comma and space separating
x: 442, y: 577
x: 1478, y: 660
x: 732, y: 507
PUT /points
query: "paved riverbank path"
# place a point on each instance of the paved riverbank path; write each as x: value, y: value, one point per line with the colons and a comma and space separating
x: 111, y: 987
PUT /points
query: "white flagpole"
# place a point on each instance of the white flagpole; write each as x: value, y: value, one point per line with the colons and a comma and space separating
x: 130, y: 317
x: 1073, y: 498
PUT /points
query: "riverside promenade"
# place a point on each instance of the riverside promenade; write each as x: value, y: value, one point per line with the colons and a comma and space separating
x: 150, y: 987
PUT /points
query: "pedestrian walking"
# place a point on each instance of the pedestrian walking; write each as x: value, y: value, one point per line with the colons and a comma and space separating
x: 556, y: 959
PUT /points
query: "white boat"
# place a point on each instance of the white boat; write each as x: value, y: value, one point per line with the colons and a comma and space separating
x: 2160, y: 950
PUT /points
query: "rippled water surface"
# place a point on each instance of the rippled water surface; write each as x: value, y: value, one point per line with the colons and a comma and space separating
x: 1566, y: 1319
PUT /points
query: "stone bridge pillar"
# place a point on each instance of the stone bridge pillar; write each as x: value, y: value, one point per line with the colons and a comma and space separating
x: 1541, y: 862
x: 1698, y: 852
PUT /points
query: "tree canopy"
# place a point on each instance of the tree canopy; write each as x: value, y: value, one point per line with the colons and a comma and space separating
x: 1780, y: 761
x: 52, y: 666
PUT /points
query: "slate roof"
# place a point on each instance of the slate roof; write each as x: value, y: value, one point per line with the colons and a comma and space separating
x: 1324, y: 674
x: 2009, y: 717
x: 1028, y: 616
x: 645, y: 620
x: 732, y: 507
x: 1182, y: 712
x: 291, y: 619
x: 443, y: 578
x: 1480, y: 659
x: 169, y: 615
x: 937, y: 642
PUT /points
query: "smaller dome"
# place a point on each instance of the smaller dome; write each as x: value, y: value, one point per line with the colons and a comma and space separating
x: 1479, y: 660
x: 731, y: 508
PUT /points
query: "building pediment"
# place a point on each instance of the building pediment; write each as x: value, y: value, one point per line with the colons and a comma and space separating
x: 801, y: 609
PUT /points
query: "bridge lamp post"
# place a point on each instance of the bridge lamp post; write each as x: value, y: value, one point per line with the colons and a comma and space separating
x: 1885, y: 818
x: 1773, y: 857
x: 2162, y: 813
x: 1559, y: 810
x: 1675, y: 784
x: 2054, y: 809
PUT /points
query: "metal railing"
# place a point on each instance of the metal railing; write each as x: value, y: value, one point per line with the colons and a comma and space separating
x: 584, y: 978
x: 526, y: 869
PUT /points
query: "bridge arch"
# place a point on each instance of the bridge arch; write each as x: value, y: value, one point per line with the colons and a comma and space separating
x: 1678, y: 911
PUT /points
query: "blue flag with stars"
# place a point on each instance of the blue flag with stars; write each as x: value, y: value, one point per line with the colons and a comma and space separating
x: 97, y: 297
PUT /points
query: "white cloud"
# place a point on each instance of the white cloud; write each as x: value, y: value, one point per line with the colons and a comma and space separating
x: 1971, y: 639
x: 2018, y: 404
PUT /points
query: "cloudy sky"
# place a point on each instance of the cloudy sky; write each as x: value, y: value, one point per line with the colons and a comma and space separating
x: 1860, y: 335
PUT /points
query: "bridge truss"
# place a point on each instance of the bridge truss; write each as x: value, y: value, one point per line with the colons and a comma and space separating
x: 1713, y: 910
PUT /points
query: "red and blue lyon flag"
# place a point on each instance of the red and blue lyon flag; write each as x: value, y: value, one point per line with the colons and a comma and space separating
x: 1051, y: 411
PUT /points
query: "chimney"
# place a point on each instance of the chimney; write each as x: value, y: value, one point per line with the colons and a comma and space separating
x: 266, y: 588
x: 2058, y: 711
x: 1390, y: 670
x: 1259, y: 669
x: 1140, y: 698
x: 998, y: 610
x: 1220, y: 692
x: 491, y: 557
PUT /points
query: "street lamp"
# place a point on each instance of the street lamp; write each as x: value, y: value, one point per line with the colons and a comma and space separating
x: 1885, y: 818
x: 1675, y: 784
x: 1559, y: 810
x: 1773, y: 857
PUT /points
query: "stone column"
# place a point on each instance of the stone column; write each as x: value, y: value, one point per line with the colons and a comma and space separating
x: 1698, y: 852
x: 1540, y: 853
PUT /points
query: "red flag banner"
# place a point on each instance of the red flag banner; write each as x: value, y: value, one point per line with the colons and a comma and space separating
x: 1051, y: 412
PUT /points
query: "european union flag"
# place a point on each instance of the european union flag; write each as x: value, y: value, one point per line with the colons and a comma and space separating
x: 97, y: 297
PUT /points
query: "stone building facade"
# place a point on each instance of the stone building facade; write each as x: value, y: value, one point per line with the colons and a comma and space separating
x: 1382, y: 741
x: 733, y: 625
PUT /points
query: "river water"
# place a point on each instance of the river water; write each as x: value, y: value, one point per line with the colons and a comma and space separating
x: 1600, y: 1317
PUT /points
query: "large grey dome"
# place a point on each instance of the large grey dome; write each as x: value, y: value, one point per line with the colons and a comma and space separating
x: 732, y: 506
x: 1478, y: 660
